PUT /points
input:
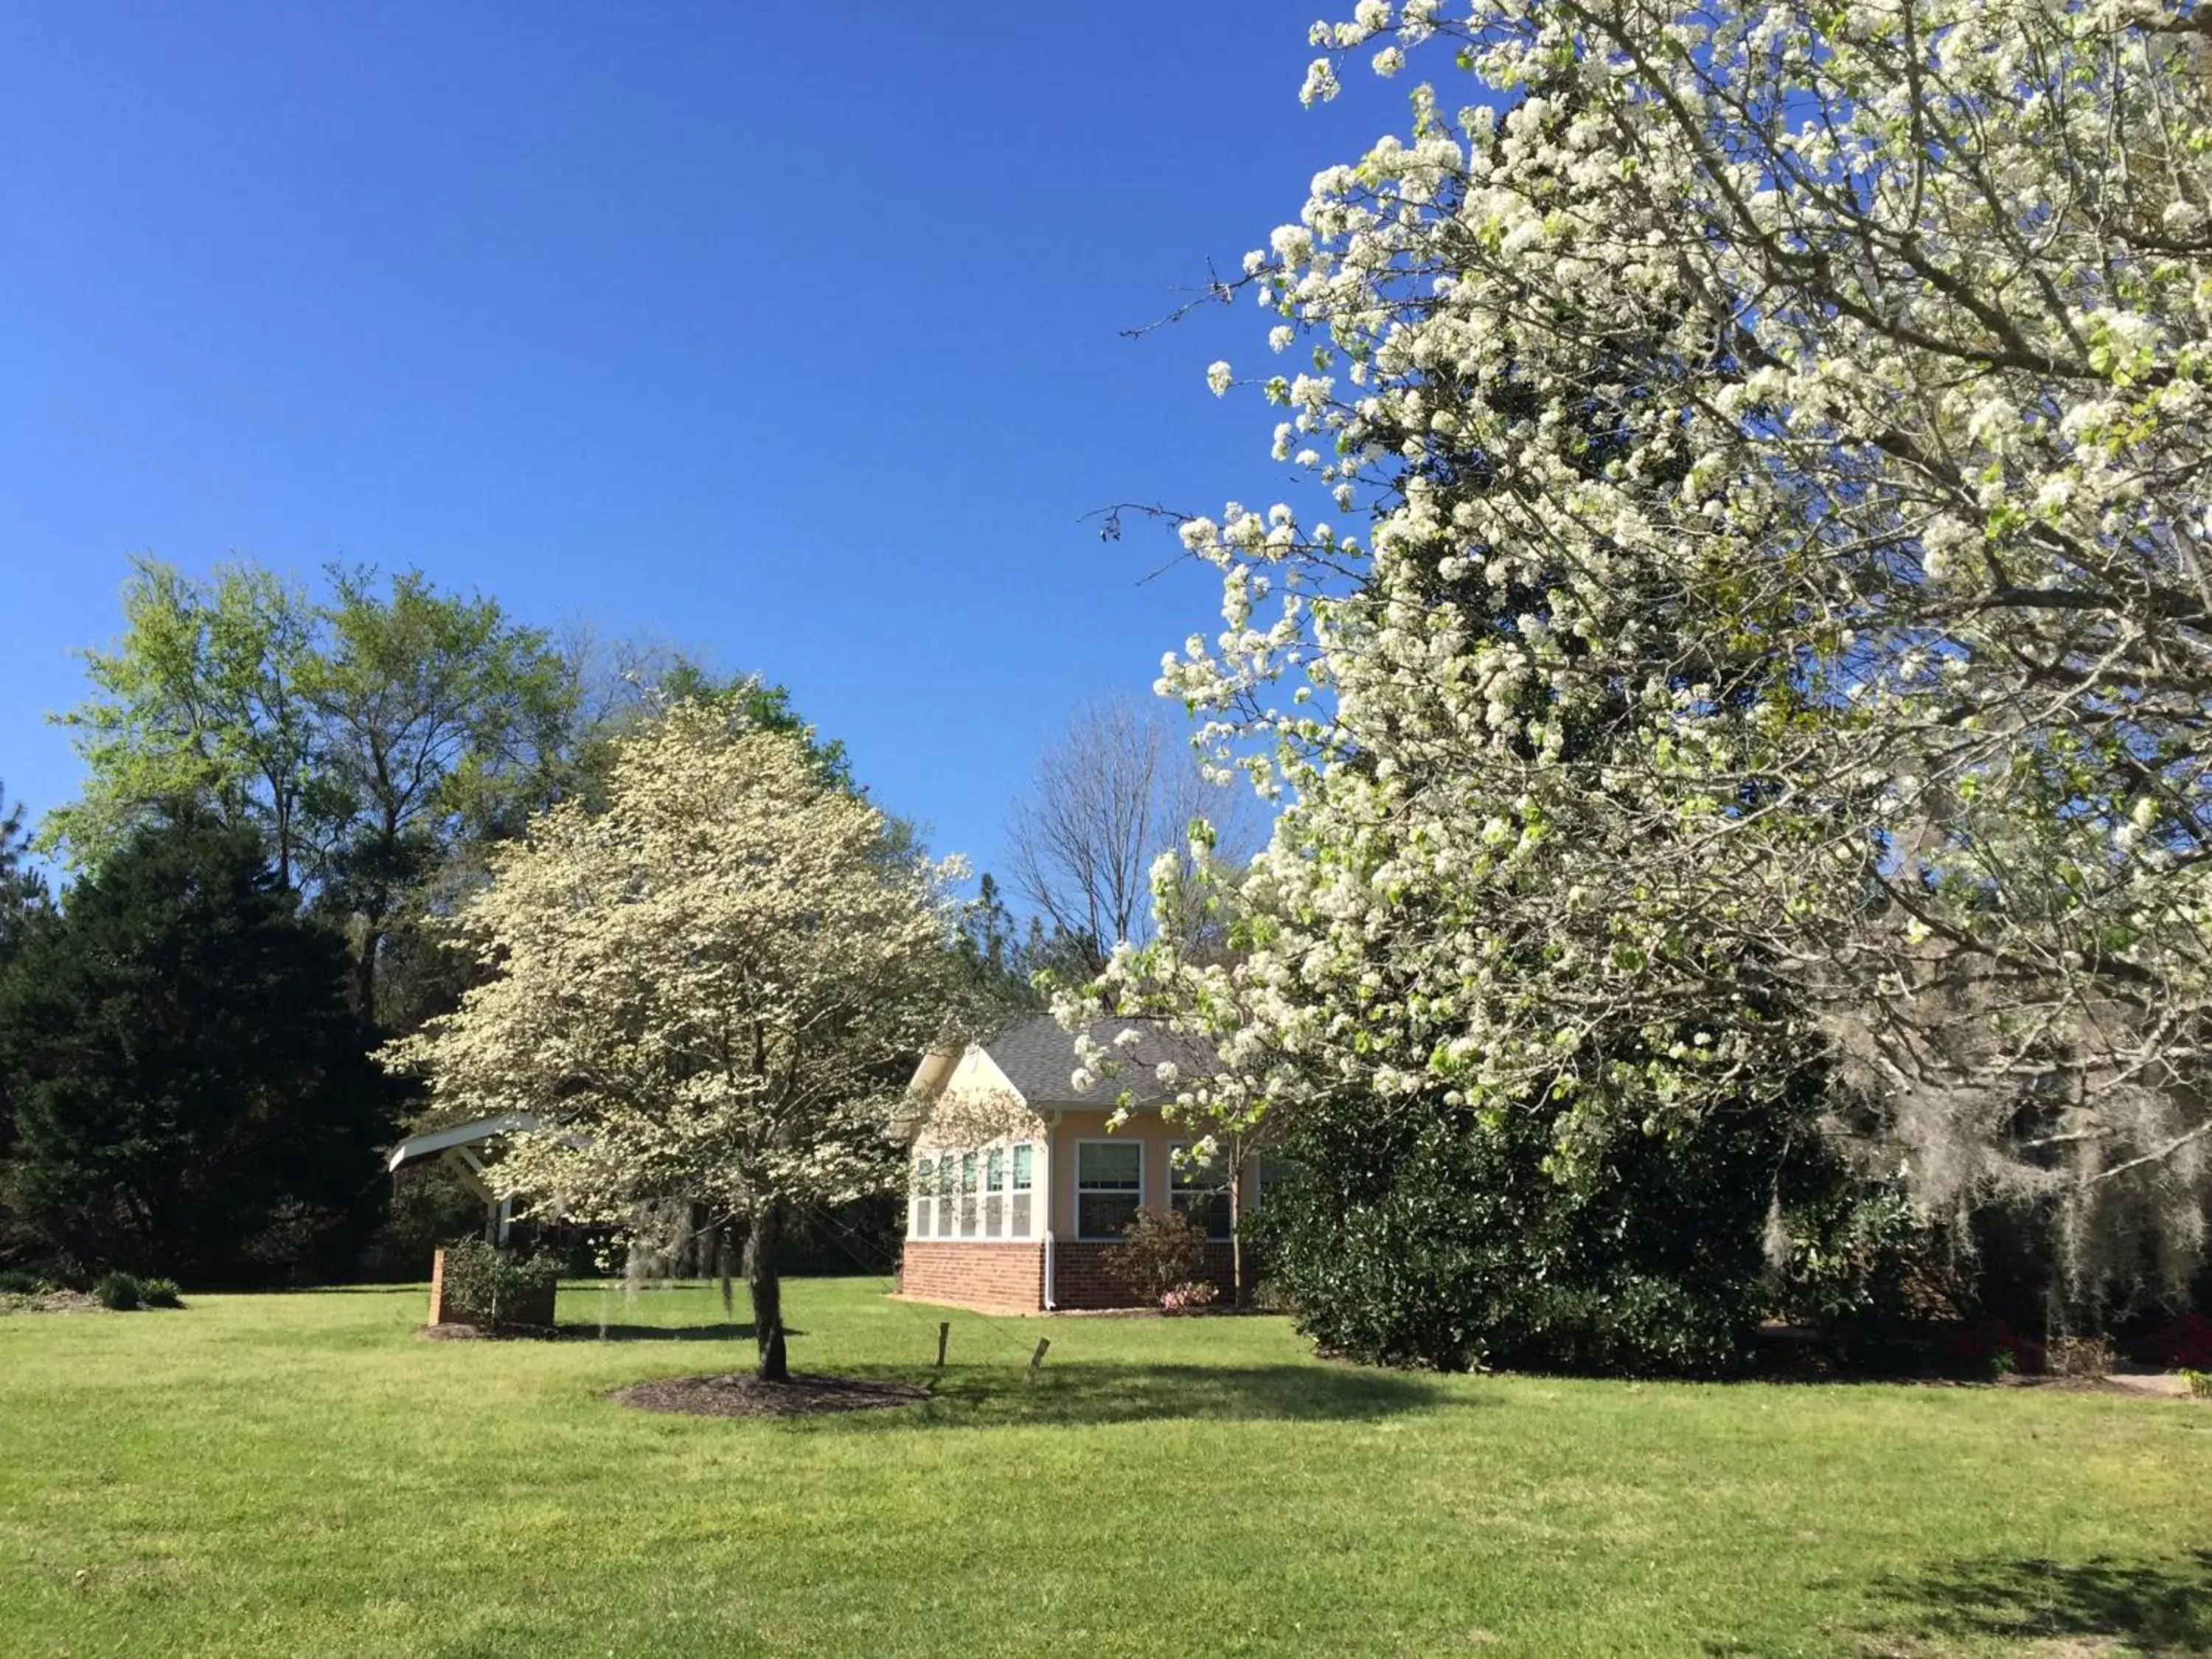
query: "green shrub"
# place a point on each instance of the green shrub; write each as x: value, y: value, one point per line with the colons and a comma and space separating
x: 160, y: 1293
x: 16, y: 1282
x: 120, y: 1293
x: 2199, y: 1384
x: 1433, y: 1235
x: 488, y: 1285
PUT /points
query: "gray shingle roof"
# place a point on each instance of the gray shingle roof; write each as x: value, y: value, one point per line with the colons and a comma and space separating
x: 1039, y: 1058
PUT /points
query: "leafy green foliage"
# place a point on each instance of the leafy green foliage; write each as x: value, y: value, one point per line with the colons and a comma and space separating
x: 364, y: 735
x: 494, y: 1286
x: 118, y: 1292
x: 158, y: 1293
x: 1434, y: 1236
x: 193, y: 1093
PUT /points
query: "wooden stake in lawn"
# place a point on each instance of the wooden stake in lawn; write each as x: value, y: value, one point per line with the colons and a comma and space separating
x: 1037, y: 1359
x: 944, y: 1331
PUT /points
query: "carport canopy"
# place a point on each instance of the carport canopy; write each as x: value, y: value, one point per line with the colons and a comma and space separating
x: 457, y: 1147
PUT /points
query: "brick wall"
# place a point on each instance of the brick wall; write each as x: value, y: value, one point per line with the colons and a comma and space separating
x: 1085, y: 1282
x: 996, y: 1278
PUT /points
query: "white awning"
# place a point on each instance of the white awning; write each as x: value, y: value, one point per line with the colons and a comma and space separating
x: 434, y: 1141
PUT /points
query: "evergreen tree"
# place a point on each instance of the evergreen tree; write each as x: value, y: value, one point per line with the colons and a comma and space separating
x: 23, y: 905
x: 23, y: 899
x: 193, y: 1093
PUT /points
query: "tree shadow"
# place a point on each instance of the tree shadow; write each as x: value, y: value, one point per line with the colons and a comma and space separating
x: 1083, y: 1395
x: 2157, y: 1606
x: 589, y: 1330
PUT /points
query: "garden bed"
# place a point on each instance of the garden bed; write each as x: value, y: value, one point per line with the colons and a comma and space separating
x: 734, y: 1393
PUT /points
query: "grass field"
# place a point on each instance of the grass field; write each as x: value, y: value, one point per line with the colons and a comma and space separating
x: 290, y: 1476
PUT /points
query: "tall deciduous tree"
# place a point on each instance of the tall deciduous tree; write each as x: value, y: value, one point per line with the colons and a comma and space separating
x: 207, y: 697
x: 365, y: 735
x: 710, y: 992
x: 1107, y: 798
x: 440, y: 719
x: 193, y: 1095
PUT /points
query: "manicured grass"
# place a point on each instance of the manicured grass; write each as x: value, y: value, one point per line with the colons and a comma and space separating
x: 287, y: 1475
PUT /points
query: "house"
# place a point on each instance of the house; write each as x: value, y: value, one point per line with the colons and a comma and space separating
x: 1017, y: 1185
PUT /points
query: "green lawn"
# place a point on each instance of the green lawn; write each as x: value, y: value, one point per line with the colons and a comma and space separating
x: 292, y: 1475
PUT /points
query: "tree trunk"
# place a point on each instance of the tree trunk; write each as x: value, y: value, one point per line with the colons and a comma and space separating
x: 763, y: 1243
x: 364, y: 972
x: 1236, y: 1238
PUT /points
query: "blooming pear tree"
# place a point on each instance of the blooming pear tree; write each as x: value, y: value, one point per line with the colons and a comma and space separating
x: 709, y: 993
x: 1749, y: 596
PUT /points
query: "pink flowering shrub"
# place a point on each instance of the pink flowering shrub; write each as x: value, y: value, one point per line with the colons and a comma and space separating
x: 1188, y: 1298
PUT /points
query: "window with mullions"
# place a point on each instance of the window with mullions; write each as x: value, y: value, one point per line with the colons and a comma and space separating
x: 1018, y: 1206
x: 925, y: 1189
x: 1109, y: 1178
x: 994, y: 1192
x: 1198, y: 1192
x: 968, y: 1195
x: 944, y: 1214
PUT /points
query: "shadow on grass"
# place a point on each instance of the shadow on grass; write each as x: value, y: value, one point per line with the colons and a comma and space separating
x: 1080, y: 1395
x: 589, y: 1330
x: 2166, y: 1603
x: 2154, y: 1606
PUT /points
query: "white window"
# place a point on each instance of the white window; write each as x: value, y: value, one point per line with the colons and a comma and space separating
x: 925, y: 1189
x: 968, y: 1195
x: 1198, y: 1192
x: 1019, y: 1208
x: 1109, y: 1179
x: 945, y: 1214
x: 994, y: 1192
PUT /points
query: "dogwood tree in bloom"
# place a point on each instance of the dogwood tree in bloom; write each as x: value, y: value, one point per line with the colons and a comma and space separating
x: 1752, y: 597
x: 709, y: 993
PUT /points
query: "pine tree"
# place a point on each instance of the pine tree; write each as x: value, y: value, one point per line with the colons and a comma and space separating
x: 193, y: 1094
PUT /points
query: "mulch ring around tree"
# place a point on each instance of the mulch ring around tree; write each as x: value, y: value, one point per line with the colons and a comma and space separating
x: 734, y: 1393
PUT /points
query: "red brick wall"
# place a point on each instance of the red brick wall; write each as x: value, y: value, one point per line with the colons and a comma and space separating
x: 996, y: 1278
x: 1085, y: 1282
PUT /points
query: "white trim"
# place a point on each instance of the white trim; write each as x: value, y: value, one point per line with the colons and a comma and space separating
x: 980, y: 1244
x: 464, y: 1134
x: 1029, y: 1233
x: 1076, y: 1188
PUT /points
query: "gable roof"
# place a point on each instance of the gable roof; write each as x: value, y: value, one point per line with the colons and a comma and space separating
x: 1038, y: 1058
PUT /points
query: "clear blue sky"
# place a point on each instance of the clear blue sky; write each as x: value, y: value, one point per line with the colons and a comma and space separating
x: 786, y: 333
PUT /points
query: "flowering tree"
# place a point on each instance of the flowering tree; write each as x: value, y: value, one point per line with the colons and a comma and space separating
x: 1781, y: 622
x: 707, y: 993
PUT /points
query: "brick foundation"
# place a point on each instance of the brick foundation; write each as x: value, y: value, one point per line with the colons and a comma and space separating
x: 993, y: 1278
x: 1009, y: 1278
x: 1085, y: 1282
